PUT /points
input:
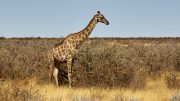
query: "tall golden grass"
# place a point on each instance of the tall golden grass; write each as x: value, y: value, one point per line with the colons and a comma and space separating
x: 29, y: 89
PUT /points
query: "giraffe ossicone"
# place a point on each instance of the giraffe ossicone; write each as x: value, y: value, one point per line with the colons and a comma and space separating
x: 66, y: 50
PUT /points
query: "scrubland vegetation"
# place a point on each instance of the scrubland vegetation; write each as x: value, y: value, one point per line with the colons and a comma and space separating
x: 114, y: 69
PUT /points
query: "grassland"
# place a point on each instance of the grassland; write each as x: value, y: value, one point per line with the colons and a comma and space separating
x: 113, y: 69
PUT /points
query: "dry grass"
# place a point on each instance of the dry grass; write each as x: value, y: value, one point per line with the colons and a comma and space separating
x: 97, y: 94
x: 20, y: 90
x: 156, y: 90
x: 104, y: 70
x: 28, y: 89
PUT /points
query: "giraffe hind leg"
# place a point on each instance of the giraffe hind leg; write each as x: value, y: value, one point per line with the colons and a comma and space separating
x: 69, y: 65
x: 51, y: 66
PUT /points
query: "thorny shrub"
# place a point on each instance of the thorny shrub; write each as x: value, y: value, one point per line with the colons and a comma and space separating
x: 100, y: 62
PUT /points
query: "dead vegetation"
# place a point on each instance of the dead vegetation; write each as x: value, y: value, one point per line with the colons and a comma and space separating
x: 20, y: 90
x: 105, y: 63
x: 100, y: 62
x: 29, y: 90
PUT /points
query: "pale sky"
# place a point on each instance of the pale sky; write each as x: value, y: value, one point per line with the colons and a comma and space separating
x: 58, y: 18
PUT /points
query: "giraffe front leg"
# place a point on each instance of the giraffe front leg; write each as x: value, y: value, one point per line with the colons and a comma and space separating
x: 55, y: 74
x: 69, y: 65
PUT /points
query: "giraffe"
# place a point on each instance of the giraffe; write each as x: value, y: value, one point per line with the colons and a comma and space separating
x: 68, y: 48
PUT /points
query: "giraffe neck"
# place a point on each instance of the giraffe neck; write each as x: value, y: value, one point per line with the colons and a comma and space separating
x: 87, y: 31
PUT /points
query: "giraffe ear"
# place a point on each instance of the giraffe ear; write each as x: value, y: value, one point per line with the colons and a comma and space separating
x: 98, y: 12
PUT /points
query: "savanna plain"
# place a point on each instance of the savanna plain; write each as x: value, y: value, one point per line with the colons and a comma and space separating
x: 105, y: 69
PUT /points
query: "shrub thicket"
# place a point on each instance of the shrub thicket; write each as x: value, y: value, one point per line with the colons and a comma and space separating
x: 100, y: 62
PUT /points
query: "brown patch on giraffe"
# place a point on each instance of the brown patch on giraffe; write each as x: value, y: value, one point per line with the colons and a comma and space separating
x: 76, y: 41
x: 63, y: 50
x: 88, y: 29
x: 71, y: 37
x: 72, y: 41
x: 84, y: 37
x: 86, y: 32
x: 68, y: 40
x: 65, y: 42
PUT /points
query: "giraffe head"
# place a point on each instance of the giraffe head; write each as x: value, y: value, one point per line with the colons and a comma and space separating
x: 100, y: 18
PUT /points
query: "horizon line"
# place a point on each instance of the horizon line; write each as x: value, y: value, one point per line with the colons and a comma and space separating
x: 38, y: 37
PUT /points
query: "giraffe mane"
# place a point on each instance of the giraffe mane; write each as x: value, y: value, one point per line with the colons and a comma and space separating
x: 59, y: 43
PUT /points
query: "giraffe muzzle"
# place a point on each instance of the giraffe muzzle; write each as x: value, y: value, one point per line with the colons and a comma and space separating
x: 107, y: 23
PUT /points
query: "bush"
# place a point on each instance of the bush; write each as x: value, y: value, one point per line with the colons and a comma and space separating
x: 100, y: 62
x: 173, y: 80
x: 18, y: 91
